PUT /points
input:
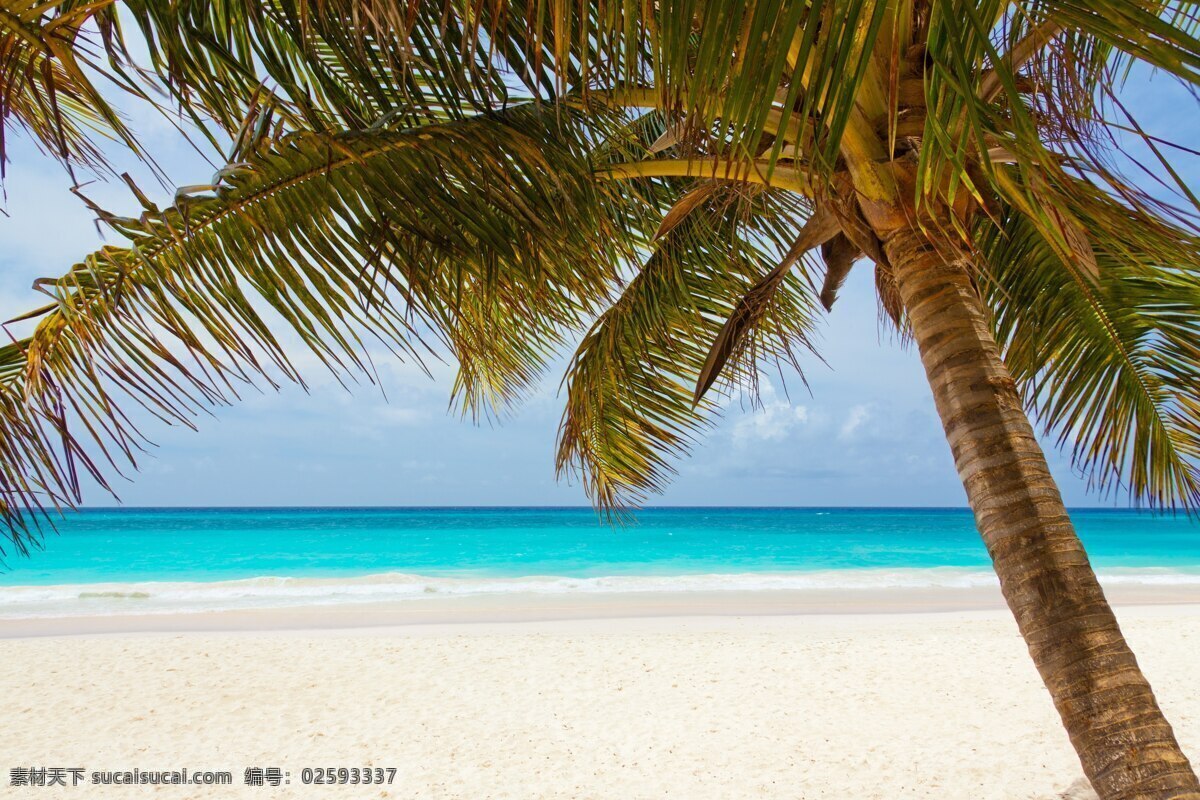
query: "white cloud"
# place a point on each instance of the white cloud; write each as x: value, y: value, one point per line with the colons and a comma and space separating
x: 379, y: 420
x: 854, y: 420
x: 395, y: 416
x: 774, y: 421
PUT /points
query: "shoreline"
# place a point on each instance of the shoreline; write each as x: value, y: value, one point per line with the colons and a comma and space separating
x: 517, y: 608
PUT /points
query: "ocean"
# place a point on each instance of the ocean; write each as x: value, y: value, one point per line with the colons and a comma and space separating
x: 171, y: 560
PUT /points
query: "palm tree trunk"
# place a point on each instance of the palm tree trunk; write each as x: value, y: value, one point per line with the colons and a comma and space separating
x: 1126, y: 746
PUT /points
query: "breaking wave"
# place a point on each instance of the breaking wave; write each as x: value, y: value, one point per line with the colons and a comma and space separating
x: 103, y: 599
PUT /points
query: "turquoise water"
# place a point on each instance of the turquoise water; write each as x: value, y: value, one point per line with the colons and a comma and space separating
x: 258, y: 556
x: 125, y: 545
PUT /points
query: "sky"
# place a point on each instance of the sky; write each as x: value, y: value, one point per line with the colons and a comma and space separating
x: 864, y: 432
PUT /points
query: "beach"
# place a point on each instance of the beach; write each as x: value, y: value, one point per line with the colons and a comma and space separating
x: 769, y: 701
x: 538, y: 653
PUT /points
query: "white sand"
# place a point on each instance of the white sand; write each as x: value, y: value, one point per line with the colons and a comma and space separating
x: 804, y: 706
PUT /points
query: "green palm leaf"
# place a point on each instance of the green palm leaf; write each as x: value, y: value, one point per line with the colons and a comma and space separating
x: 630, y: 407
x: 46, y: 87
x: 335, y: 65
x: 1008, y: 113
x: 1107, y: 364
x: 489, y: 235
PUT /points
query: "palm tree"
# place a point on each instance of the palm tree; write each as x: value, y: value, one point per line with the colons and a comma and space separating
x: 497, y: 179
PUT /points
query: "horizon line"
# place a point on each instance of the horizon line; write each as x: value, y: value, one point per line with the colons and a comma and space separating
x: 581, y: 507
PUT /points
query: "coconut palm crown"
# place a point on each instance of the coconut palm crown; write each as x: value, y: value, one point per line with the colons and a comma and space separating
x: 675, y: 189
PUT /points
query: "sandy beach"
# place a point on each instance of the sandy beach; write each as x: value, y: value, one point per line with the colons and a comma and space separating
x: 939, y: 704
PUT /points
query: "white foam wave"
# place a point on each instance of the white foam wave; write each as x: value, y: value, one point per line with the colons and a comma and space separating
x: 102, y: 599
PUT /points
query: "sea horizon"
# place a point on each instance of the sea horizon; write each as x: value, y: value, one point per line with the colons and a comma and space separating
x: 588, y: 507
x: 148, y: 560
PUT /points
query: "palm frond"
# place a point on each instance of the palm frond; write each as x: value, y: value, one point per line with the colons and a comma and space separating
x: 1036, y: 84
x: 512, y: 159
x: 742, y: 324
x: 491, y: 235
x: 1160, y: 33
x: 733, y: 70
x: 45, y: 88
x: 338, y: 65
x: 1107, y: 364
x: 630, y: 408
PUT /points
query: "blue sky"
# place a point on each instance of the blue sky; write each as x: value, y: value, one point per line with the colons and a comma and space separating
x: 866, y: 435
